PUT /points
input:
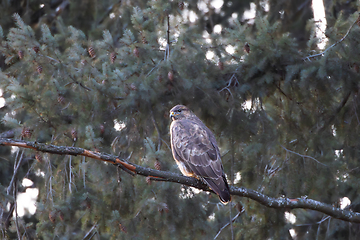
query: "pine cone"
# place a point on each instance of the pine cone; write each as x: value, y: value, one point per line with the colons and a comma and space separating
x: 221, y: 65
x: 52, y: 216
x: 112, y: 57
x: 247, y: 47
x: 102, y: 129
x: 61, y: 99
x: 136, y: 52
x: 148, y: 180
x: 38, y: 157
x: 91, y: 51
x: 157, y: 165
x: 36, y: 49
x: 26, y: 132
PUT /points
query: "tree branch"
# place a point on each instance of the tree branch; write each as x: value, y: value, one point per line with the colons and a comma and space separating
x: 336, y: 43
x: 280, y: 203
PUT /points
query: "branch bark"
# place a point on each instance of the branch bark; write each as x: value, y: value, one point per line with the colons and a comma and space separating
x: 279, y: 203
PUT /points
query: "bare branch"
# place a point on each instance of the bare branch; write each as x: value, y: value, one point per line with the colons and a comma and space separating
x: 280, y: 203
x: 303, y: 156
x: 92, y: 228
x: 227, y: 224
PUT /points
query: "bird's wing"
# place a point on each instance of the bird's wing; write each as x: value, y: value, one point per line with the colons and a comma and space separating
x: 194, y: 146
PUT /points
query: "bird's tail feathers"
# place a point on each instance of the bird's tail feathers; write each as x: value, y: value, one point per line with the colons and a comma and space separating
x: 220, y: 187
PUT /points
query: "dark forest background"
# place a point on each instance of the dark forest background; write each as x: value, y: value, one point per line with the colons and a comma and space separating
x: 103, y: 75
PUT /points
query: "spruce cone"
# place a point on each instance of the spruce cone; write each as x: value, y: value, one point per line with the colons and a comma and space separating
x: 157, y: 165
x: 112, y: 57
x: 91, y: 51
x: 38, y: 157
x: 136, y: 52
x: 52, y: 216
x: 102, y: 129
x: 148, y: 180
x: 61, y: 99
x: 247, y: 47
x: 221, y: 65
x: 36, y: 49
x: 26, y: 132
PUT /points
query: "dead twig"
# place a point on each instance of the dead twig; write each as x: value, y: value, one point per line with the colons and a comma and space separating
x: 227, y: 224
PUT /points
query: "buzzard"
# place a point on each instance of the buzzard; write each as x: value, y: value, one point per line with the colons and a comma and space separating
x: 195, y: 151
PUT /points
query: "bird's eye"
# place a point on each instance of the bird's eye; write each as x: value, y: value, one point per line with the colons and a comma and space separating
x: 179, y: 110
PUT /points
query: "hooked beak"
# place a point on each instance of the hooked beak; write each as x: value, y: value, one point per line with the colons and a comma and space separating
x: 172, y: 115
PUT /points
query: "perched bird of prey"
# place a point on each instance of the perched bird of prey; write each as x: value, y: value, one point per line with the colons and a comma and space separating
x: 195, y: 151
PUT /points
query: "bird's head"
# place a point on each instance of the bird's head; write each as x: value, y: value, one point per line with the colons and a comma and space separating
x: 180, y: 112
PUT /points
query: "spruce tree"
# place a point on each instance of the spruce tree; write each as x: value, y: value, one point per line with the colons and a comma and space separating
x: 103, y: 76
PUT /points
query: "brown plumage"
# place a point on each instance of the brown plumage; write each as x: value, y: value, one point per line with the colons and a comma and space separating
x: 195, y: 151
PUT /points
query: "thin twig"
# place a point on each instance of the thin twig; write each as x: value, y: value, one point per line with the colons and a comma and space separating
x: 16, y: 214
x: 167, y: 145
x: 303, y: 156
x: 70, y: 175
x: 79, y: 83
x: 52, y: 59
x: 16, y: 168
x: 342, y: 39
x: 227, y: 224
x: 87, y: 234
x: 148, y: 74
x: 355, y: 106
x: 310, y: 224
x: 168, y: 37
x: 83, y: 170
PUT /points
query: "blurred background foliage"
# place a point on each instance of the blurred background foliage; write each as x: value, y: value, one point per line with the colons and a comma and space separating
x: 103, y: 75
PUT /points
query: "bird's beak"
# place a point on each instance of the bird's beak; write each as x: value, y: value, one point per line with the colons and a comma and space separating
x: 172, y: 115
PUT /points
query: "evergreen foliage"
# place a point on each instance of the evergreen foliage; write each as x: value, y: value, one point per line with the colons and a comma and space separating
x: 103, y: 75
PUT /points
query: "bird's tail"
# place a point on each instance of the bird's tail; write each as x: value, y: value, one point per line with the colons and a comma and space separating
x: 220, y: 187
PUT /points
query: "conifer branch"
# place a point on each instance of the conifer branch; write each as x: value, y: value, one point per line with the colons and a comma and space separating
x: 279, y: 203
x: 336, y: 43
